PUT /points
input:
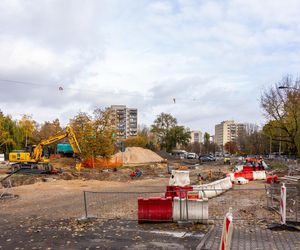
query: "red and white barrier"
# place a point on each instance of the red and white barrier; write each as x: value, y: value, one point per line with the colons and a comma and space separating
x: 227, y: 231
x: 283, y: 205
x: 249, y: 175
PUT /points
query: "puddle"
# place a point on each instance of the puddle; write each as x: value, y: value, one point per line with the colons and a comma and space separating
x: 178, y: 234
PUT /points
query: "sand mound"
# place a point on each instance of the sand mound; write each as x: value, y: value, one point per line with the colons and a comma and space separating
x: 138, y: 155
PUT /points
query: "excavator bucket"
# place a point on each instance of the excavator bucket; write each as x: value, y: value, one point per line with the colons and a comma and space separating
x: 78, y: 166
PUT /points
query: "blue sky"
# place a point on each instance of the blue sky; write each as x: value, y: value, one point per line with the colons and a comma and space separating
x: 214, y: 57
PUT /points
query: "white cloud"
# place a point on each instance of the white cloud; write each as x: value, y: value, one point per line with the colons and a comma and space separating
x: 214, y: 57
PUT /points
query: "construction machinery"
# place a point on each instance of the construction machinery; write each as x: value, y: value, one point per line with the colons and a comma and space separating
x: 35, y: 158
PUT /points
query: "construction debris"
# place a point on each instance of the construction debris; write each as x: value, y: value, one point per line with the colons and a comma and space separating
x: 291, y: 178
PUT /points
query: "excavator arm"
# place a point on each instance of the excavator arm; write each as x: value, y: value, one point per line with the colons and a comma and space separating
x: 69, y: 133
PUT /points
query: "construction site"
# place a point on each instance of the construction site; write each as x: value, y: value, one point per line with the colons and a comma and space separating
x: 149, y: 202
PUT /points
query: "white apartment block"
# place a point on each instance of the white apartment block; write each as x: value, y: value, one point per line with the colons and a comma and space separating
x: 124, y: 121
x: 196, y: 136
x: 227, y: 131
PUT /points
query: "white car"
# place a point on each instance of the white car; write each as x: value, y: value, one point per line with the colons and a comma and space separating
x: 191, y: 156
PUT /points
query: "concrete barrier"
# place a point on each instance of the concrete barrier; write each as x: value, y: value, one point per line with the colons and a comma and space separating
x: 197, y: 210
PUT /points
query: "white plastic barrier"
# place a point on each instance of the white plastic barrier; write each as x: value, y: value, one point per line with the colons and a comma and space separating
x: 231, y: 175
x: 197, y: 210
x: 215, y: 188
x: 238, y: 168
x: 259, y: 175
x: 241, y: 180
x: 207, y: 191
x: 179, y: 178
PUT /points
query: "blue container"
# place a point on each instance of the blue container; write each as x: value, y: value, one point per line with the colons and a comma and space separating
x: 64, y: 148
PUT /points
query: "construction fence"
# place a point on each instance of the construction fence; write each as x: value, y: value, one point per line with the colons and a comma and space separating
x: 292, y: 201
x: 184, y: 205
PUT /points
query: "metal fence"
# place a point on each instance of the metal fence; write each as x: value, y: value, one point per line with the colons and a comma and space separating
x: 292, y: 201
x: 247, y: 204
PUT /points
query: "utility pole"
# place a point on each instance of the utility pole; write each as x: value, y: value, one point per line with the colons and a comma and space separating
x: 26, y: 138
x: 280, y: 145
x: 270, y: 146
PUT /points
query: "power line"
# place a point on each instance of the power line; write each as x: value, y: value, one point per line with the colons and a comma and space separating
x: 60, y: 87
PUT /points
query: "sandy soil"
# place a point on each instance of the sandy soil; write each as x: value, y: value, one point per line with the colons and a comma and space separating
x: 44, y: 214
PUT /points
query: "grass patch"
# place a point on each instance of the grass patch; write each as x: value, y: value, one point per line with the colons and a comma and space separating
x: 278, y: 166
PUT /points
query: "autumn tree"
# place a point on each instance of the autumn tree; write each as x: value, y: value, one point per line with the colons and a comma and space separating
x: 194, y: 147
x: 136, y: 141
x: 252, y: 141
x: 104, y: 132
x: 281, y: 105
x: 27, y: 126
x: 148, y: 136
x: 94, y: 133
x: 231, y: 147
x: 6, y: 139
x: 46, y: 130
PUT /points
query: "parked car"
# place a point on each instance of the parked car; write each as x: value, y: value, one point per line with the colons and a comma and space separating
x: 181, y: 154
x: 207, y: 158
x: 191, y: 156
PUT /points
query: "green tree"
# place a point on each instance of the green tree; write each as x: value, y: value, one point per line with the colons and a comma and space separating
x: 177, y: 135
x: 161, y: 126
x: 168, y: 133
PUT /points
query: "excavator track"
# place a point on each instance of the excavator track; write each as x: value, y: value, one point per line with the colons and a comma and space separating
x: 32, y: 168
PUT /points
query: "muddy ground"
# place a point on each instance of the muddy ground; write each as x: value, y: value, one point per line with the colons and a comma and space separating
x: 44, y: 214
x: 211, y: 172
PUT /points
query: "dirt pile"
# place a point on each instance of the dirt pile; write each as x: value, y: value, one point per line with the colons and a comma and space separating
x: 137, y: 155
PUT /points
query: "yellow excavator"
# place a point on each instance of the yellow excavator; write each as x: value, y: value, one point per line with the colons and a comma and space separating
x: 35, y: 159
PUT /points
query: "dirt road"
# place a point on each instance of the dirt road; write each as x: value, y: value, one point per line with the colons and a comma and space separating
x: 44, y: 217
x: 64, y: 199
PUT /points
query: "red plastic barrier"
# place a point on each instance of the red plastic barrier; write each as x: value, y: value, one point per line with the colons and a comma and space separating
x: 272, y: 178
x: 247, y: 175
x: 193, y: 196
x: 154, y: 209
x: 251, y: 168
x: 174, y: 191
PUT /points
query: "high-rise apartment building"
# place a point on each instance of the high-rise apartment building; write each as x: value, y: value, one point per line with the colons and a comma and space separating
x: 227, y: 131
x: 124, y: 121
x: 196, y: 136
